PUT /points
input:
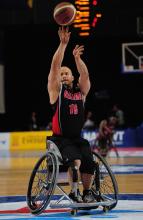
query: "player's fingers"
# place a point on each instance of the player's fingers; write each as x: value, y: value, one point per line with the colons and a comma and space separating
x: 80, y: 50
x: 76, y: 46
x: 59, y: 31
x: 81, y: 47
x: 67, y: 28
x: 80, y: 53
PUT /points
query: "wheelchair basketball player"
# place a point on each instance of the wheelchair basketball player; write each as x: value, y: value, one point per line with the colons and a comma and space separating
x: 67, y: 100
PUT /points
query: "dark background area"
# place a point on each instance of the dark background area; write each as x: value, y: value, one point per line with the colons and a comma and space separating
x: 28, y: 41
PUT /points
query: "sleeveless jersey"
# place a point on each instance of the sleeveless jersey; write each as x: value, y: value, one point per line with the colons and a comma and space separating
x: 68, y: 115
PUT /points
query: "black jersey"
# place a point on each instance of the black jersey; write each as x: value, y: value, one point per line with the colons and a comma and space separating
x: 68, y: 115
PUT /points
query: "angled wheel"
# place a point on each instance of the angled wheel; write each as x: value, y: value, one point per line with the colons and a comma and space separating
x: 103, y: 147
x: 105, y: 183
x: 42, y: 183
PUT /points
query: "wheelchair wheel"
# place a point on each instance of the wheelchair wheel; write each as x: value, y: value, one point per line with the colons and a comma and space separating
x: 103, y: 147
x: 105, y: 183
x: 42, y: 183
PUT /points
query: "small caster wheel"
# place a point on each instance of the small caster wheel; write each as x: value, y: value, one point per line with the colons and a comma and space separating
x: 73, y: 211
x: 105, y: 209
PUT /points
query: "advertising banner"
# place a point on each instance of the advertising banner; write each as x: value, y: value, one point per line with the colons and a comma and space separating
x: 130, y: 137
x: 29, y: 140
x: 36, y: 140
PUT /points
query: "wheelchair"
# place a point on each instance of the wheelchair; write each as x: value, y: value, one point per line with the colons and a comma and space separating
x: 104, y: 146
x: 44, y: 183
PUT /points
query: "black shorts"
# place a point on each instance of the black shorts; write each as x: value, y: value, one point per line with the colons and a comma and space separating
x: 75, y: 148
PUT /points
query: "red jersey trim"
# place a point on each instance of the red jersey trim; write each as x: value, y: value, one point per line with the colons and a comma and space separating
x: 55, y: 122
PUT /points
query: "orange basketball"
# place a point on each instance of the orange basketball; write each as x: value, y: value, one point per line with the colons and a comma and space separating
x: 64, y: 13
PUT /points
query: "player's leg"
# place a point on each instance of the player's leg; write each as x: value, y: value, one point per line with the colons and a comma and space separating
x: 87, y: 170
x: 73, y: 176
x: 72, y: 158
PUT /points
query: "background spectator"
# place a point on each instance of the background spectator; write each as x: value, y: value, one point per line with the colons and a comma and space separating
x: 89, y: 122
x: 33, y: 125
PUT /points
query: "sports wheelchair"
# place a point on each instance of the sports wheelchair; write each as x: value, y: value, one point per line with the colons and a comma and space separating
x: 104, y: 146
x: 43, y: 185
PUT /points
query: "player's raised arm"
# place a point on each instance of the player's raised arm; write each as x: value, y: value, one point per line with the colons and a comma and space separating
x: 54, y: 75
x: 84, y: 81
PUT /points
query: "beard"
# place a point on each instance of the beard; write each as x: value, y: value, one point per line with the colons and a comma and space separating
x: 65, y: 82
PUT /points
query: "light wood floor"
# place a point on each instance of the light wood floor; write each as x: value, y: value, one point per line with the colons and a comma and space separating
x: 16, y: 167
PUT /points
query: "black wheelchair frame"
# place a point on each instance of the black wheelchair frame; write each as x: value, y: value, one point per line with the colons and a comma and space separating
x: 44, y: 180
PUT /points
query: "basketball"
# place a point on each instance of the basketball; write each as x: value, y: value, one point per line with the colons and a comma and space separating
x: 64, y: 13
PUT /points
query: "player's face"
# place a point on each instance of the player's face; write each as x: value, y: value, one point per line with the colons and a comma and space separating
x: 66, y: 76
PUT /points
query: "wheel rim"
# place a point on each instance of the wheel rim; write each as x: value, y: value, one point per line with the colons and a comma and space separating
x: 108, y: 184
x: 43, y: 183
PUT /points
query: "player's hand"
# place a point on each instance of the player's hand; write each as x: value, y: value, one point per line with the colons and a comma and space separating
x: 78, y: 51
x: 64, y: 34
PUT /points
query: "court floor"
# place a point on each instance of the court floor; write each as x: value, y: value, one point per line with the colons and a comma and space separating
x: 15, y: 170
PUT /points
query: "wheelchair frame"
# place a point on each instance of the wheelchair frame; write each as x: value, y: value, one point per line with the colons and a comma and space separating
x: 44, y: 180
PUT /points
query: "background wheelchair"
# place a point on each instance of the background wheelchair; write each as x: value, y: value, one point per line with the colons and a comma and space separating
x: 104, y: 147
x: 43, y: 184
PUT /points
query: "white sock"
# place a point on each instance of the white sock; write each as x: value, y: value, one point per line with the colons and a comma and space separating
x: 75, y: 187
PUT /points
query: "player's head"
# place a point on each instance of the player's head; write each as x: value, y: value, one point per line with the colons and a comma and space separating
x: 103, y: 123
x: 66, y: 75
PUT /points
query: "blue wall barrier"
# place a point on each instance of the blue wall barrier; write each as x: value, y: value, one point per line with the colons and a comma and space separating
x: 130, y: 137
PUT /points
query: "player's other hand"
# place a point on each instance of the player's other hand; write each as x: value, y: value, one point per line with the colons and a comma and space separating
x: 78, y: 51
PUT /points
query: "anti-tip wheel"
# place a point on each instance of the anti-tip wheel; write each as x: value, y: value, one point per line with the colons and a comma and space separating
x: 105, y: 209
x: 73, y: 211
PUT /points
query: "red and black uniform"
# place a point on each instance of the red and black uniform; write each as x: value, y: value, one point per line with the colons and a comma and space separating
x: 68, y: 116
x: 67, y: 123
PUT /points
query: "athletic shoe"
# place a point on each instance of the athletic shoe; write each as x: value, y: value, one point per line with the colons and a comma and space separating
x: 75, y: 198
x: 88, y: 196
